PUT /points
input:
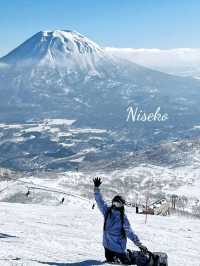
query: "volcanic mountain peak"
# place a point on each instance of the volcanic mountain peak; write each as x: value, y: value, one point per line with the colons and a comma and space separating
x: 57, y: 46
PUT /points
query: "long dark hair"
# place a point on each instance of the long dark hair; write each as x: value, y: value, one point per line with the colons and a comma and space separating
x: 109, y: 212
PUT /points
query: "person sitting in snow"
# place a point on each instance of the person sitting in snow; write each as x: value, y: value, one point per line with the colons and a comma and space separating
x: 116, y: 227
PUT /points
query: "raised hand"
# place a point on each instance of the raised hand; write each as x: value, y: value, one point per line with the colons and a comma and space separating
x: 97, y: 181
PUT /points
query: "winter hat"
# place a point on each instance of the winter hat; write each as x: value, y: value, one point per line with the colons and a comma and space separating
x: 119, y: 199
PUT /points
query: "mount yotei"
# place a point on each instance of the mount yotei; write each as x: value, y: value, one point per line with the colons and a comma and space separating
x: 62, y: 75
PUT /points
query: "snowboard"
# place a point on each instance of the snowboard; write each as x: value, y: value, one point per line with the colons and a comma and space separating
x: 158, y: 259
x: 140, y: 259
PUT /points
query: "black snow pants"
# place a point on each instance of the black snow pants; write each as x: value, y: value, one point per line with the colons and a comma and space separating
x: 112, y: 256
x: 128, y: 258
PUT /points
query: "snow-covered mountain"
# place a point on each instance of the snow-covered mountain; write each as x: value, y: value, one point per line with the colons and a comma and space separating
x: 62, y: 75
x: 67, y: 48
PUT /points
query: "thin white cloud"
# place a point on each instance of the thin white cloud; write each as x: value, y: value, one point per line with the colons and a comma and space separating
x: 3, y: 65
x: 179, y: 61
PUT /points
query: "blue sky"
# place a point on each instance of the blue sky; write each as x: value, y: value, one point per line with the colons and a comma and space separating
x: 118, y: 23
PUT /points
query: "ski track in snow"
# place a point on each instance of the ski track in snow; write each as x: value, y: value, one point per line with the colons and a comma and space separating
x: 71, y: 234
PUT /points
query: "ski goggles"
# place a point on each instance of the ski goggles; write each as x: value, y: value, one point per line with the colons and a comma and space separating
x: 117, y: 204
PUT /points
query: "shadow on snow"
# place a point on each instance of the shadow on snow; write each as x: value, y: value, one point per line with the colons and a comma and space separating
x: 81, y: 263
x: 5, y: 235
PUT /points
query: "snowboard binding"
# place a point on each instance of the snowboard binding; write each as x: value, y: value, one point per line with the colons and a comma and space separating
x: 148, y: 259
x: 157, y: 259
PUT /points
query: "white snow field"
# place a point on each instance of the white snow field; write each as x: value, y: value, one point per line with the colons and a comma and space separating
x: 71, y: 234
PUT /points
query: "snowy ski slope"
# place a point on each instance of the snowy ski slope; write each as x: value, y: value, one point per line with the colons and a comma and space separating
x: 70, y: 234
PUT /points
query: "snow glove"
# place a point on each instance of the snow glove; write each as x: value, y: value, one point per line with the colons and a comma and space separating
x: 97, y: 182
x: 143, y: 249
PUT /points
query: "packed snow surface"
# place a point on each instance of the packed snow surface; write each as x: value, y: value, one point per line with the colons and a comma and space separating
x: 71, y: 234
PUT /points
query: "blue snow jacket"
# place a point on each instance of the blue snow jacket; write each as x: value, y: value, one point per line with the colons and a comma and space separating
x: 112, y: 235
